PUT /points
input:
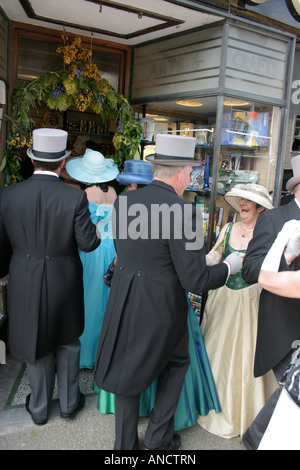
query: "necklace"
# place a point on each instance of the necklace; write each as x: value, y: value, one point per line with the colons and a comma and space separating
x: 245, y: 230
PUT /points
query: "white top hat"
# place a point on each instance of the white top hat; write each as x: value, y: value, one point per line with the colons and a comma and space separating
x: 174, y: 150
x: 49, y: 145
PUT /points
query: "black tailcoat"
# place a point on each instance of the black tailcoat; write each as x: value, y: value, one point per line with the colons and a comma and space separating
x: 278, y: 317
x: 45, y: 221
x: 146, y: 314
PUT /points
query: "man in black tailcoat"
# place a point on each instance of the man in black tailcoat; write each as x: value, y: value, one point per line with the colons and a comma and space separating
x: 160, y: 255
x: 45, y: 222
x: 278, y: 318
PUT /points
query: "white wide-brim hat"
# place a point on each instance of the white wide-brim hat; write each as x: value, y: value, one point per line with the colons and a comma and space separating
x: 136, y: 171
x: 252, y: 192
x: 92, y: 167
x: 174, y: 150
x: 49, y: 145
x: 292, y: 182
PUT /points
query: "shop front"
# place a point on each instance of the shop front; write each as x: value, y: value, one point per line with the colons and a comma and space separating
x: 228, y: 85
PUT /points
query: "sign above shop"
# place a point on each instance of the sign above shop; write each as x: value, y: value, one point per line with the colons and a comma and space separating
x: 254, y: 62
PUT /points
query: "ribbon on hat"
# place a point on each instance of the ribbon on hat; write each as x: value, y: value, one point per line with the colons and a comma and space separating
x: 169, y: 157
x: 256, y: 191
x: 96, y: 169
x: 48, y: 155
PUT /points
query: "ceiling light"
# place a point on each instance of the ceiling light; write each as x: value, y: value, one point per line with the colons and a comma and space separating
x: 189, y: 103
x: 234, y: 102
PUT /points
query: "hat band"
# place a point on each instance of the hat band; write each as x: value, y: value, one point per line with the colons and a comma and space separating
x: 47, y: 155
x: 139, y: 172
x: 169, y: 157
x: 255, y: 191
x: 93, y: 169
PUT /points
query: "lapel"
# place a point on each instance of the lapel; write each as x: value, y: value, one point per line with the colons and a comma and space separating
x: 293, y: 211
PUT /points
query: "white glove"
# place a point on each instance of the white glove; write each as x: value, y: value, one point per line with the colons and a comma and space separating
x: 273, y: 257
x: 235, y: 261
x: 293, y: 245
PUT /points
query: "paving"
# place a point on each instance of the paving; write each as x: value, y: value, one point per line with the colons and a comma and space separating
x: 88, y: 430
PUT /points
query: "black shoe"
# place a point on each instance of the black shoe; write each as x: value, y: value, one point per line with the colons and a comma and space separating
x: 39, y: 422
x: 173, y: 445
x: 247, y: 443
x: 78, y: 408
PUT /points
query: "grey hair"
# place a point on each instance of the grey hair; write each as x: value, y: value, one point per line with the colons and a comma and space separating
x: 166, y: 171
x: 295, y: 188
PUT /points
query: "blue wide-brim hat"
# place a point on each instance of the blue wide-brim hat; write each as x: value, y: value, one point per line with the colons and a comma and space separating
x: 136, y: 171
x: 92, y: 167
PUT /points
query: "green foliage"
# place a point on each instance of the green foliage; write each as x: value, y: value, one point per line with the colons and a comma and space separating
x: 79, y: 86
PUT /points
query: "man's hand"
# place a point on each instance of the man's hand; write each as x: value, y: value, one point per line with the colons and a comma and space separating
x: 108, y: 276
x: 235, y: 261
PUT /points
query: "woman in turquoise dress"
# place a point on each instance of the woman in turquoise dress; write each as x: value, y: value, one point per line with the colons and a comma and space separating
x: 95, y: 291
x: 198, y: 395
x: 95, y: 174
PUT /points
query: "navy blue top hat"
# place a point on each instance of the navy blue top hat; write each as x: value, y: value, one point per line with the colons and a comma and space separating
x: 136, y: 171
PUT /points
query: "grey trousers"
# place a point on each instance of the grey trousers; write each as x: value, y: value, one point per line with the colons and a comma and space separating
x: 65, y: 363
x: 255, y: 432
x: 160, y: 428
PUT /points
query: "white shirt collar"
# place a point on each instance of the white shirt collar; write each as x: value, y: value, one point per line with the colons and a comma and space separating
x: 45, y: 172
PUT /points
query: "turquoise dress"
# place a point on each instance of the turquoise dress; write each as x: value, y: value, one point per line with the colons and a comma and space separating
x: 198, y: 395
x: 95, y: 264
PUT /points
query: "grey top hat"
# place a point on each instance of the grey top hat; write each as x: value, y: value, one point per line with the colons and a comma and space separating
x: 174, y: 150
x: 292, y: 182
x: 49, y: 145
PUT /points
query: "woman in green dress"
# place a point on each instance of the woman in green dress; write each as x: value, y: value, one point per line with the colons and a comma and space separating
x: 230, y: 323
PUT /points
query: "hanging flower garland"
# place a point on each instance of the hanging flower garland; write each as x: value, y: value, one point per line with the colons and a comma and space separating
x: 79, y: 86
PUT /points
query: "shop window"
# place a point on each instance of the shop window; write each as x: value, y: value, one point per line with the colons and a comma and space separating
x: 37, y: 57
x: 242, y: 148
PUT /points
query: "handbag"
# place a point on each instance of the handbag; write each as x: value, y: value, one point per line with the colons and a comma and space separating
x: 282, y: 432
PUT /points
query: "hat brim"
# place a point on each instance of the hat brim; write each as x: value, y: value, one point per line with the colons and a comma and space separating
x: 292, y: 182
x: 31, y: 155
x: 75, y: 170
x: 233, y: 201
x: 173, y: 162
x: 125, y: 179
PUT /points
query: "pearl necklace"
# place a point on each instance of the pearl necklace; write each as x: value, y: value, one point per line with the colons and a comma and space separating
x: 246, y: 230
